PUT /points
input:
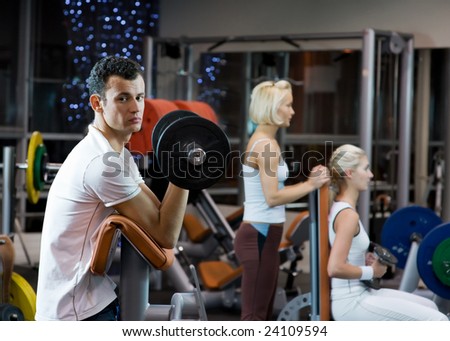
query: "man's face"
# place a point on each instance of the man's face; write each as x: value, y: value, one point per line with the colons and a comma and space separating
x: 123, y: 105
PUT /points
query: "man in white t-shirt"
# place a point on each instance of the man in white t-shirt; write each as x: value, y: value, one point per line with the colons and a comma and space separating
x: 98, y: 178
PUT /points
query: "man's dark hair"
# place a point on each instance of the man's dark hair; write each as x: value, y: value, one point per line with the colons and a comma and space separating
x: 111, y: 66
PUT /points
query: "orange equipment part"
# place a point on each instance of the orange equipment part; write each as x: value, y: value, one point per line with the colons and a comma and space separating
x: 200, y: 108
x: 106, y: 243
x: 216, y: 274
x: 7, y: 256
x: 141, y: 142
x: 324, y: 254
x: 195, y: 230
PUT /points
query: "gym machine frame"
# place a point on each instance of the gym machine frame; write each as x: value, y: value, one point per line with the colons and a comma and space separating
x: 319, y: 296
x: 402, y: 43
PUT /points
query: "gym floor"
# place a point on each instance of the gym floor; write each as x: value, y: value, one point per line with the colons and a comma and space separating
x: 27, y: 257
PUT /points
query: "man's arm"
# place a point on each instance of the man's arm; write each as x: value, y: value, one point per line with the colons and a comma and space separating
x: 163, y: 220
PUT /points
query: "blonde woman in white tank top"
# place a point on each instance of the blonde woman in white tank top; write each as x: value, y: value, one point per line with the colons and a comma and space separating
x: 349, y: 261
x: 264, y: 172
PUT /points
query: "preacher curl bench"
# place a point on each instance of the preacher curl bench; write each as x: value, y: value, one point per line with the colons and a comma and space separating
x: 138, y: 251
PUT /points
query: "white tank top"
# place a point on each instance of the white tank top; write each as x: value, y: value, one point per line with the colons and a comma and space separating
x: 255, y: 205
x: 358, y: 248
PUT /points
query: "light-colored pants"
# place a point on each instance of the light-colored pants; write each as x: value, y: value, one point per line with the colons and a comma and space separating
x: 363, y: 304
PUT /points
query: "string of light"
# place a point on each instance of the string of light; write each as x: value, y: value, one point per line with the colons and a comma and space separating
x: 96, y: 28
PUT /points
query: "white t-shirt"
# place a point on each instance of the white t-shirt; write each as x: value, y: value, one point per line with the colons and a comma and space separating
x: 91, y: 180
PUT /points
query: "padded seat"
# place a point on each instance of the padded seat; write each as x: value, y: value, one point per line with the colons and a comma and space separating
x: 6, y: 266
x: 195, y: 230
x: 106, y: 244
x: 215, y: 275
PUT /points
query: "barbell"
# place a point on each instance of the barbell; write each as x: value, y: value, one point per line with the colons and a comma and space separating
x: 420, y: 224
x: 37, y: 167
x: 192, y: 152
x: 433, y: 260
x: 404, y: 225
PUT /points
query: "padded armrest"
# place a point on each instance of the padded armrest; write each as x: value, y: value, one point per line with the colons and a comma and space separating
x: 6, y: 266
x: 160, y: 258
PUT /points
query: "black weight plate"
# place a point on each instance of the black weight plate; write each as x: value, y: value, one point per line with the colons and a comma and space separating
x: 201, y: 133
x: 9, y: 312
x: 166, y: 120
x: 400, y: 227
x: 425, y: 264
x: 198, y: 132
x: 163, y: 123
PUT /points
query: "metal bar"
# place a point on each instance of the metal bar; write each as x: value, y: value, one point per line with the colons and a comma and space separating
x: 319, y: 138
x: 405, y: 126
x: 49, y: 166
x: 422, y: 117
x: 284, y: 75
x: 8, y: 190
x: 180, y: 280
x: 148, y: 66
x: 366, y: 112
x: 134, y: 283
x: 198, y: 295
x: 189, y: 66
x: 277, y: 38
x: 53, y: 166
x: 446, y: 148
x: 245, y: 120
x: 60, y: 136
x: 411, y: 277
x: 216, y: 221
x: 25, y: 75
